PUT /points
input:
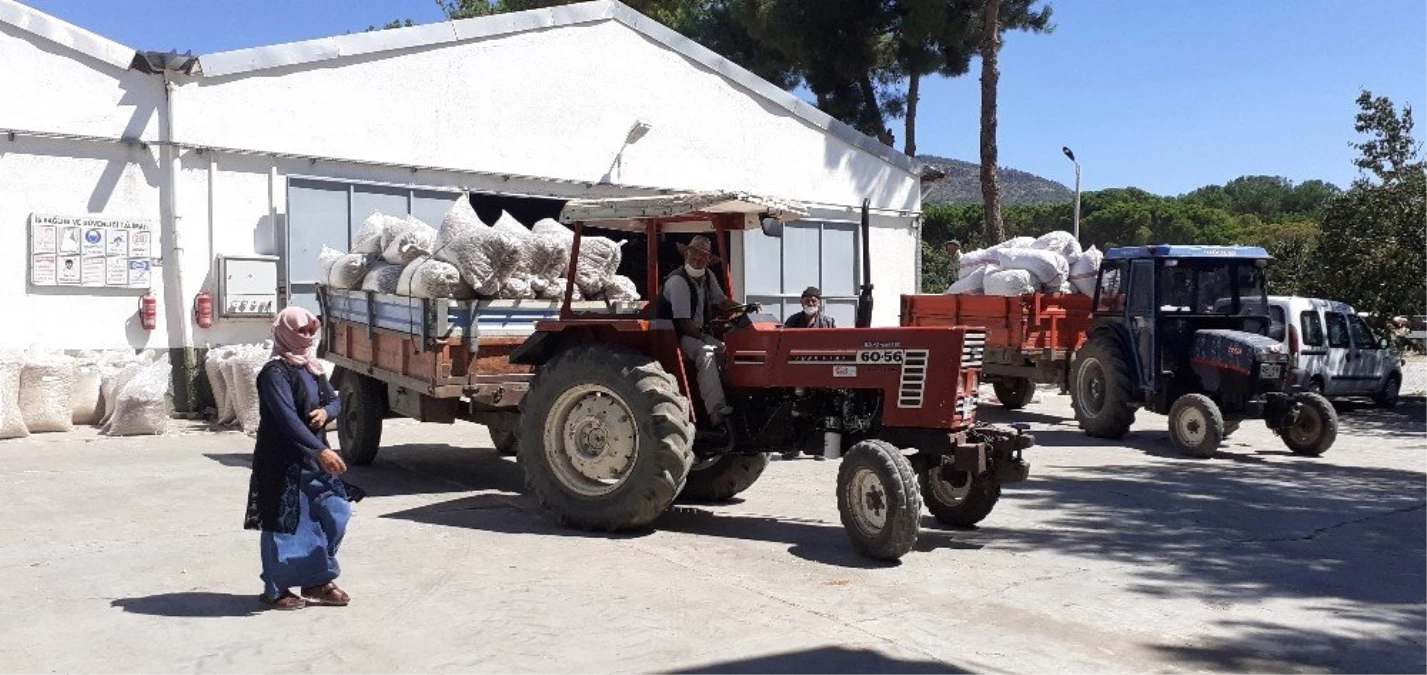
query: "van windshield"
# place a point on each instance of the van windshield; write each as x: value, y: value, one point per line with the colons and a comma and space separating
x: 1228, y: 287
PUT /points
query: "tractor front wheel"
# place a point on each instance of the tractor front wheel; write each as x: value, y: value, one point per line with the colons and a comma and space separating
x: 720, y: 478
x: 878, y: 500
x: 1101, y: 391
x: 1314, y: 429
x: 1014, y: 393
x: 1196, y: 427
x: 958, y: 498
x: 605, y: 438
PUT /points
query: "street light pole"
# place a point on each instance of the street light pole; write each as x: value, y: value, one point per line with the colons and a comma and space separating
x: 1071, y: 155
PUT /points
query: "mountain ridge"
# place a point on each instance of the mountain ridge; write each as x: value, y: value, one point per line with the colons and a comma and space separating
x: 962, y: 185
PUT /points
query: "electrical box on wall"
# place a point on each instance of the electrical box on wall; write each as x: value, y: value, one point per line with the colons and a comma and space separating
x: 247, y: 286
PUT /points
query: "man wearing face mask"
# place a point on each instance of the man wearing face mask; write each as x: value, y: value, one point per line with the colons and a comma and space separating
x: 693, y: 297
x: 812, y: 315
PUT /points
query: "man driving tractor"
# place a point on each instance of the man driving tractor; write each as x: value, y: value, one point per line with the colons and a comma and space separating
x: 694, y: 298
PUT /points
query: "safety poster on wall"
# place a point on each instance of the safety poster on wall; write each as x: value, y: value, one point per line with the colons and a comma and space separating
x: 90, y: 252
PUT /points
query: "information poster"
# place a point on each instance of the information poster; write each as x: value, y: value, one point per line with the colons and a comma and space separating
x: 91, y: 252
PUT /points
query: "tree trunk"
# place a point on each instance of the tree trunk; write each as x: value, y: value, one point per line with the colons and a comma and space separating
x: 914, y: 87
x: 990, y: 77
x: 872, y: 112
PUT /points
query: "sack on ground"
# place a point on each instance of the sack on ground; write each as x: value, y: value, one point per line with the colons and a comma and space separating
x: 349, y: 270
x: 1058, y: 241
x: 213, y: 368
x: 12, y: 421
x: 1010, y: 283
x: 87, y: 405
x: 143, y: 406
x: 1083, y: 270
x: 428, y: 277
x: 369, y: 236
x: 47, y: 393
x: 245, y: 389
x: 1047, y: 268
x: 383, y: 278
x: 411, y: 240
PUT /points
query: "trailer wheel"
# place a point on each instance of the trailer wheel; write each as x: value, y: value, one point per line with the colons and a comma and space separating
x: 1014, y: 393
x: 720, y: 478
x: 958, y: 498
x: 1101, y: 391
x: 1196, y: 427
x: 605, y: 438
x: 1315, y: 428
x: 359, y: 425
x: 504, y: 434
x: 876, y: 497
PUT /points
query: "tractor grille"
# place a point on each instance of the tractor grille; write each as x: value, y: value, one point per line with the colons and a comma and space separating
x: 973, y: 349
x: 914, y: 379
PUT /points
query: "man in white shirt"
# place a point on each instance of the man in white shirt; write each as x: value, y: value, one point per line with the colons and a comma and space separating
x: 694, y: 298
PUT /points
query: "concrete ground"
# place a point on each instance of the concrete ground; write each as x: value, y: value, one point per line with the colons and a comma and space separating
x: 128, y: 555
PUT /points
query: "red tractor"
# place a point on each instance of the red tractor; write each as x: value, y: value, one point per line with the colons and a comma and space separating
x: 611, y: 432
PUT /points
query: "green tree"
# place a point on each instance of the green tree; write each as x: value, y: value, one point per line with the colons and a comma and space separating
x: 1390, y: 153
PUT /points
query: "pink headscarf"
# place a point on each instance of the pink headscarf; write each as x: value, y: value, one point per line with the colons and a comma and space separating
x: 292, y: 346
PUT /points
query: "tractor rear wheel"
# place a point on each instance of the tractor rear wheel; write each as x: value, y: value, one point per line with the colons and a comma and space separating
x: 958, y: 498
x: 605, y: 438
x: 878, y: 500
x: 359, y: 425
x: 1196, y: 427
x: 1315, y: 428
x: 720, y: 478
x: 1101, y: 391
x: 1014, y: 393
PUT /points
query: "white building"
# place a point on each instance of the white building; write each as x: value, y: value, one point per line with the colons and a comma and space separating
x: 279, y: 150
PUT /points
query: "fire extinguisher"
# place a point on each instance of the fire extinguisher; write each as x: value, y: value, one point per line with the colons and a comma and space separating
x: 149, y: 311
x: 203, y: 310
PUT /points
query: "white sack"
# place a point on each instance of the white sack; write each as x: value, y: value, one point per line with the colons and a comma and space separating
x: 974, y: 260
x: 516, y: 288
x: 87, y: 404
x: 1046, y: 267
x: 349, y: 270
x: 460, y: 221
x: 1010, y: 283
x: 228, y: 365
x: 1014, y: 242
x: 599, y: 260
x: 143, y: 406
x: 485, y: 258
x: 971, y: 284
x: 1083, y: 270
x: 550, y: 244
x: 524, y: 239
x: 245, y: 389
x: 325, y: 261
x: 621, y: 289
x: 112, y: 376
x: 368, y: 237
x: 556, y: 291
x: 427, y: 277
x: 47, y: 394
x: 410, y: 240
x: 1059, y: 241
x: 383, y: 278
x: 12, y: 421
x: 217, y: 383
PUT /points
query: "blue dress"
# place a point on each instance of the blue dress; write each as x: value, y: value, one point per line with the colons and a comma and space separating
x: 301, y: 510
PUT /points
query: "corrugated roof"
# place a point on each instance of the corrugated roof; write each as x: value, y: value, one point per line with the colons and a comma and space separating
x: 680, y: 204
x: 311, y: 51
x: 67, y: 34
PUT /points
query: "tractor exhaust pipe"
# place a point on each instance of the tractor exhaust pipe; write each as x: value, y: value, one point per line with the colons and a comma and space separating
x: 864, y: 298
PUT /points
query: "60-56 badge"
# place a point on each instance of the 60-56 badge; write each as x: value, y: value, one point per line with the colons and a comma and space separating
x: 874, y: 357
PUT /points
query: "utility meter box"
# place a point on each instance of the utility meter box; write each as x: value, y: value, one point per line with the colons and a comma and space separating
x: 247, y: 286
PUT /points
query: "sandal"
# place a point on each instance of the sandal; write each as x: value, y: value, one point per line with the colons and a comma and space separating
x: 286, y: 602
x: 327, y: 594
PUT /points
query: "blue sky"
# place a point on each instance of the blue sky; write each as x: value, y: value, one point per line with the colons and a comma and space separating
x: 1166, y: 96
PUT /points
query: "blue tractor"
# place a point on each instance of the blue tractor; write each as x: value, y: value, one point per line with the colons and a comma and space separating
x: 1182, y: 331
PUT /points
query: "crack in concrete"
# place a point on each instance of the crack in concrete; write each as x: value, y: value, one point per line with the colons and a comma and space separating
x: 1317, y: 531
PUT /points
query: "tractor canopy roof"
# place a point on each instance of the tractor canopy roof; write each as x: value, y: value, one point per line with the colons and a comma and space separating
x: 682, y: 211
x: 1176, y: 251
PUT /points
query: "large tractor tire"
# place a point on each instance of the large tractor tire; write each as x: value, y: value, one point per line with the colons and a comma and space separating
x: 359, y: 425
x: 1014, y: 393
x: 1101, y: 390
x: 1315, y: 429
x: 605, y: 438
x: 505, y: 434
x: 958, y: 498
x: 1196, y: 427
x: 720, y: 478
x: 878, y: 500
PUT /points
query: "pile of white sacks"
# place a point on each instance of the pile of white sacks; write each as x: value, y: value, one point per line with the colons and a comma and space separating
x: 1051, y: 263
x: 232, y: 373
x: 48, y: 391
x: 466, y: 258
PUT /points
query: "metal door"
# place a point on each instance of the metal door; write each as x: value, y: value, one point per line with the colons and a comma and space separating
x: 1369, y: 358
x: 1139, y: 313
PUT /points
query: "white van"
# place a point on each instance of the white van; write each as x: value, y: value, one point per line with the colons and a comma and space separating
x: 1337, y: 353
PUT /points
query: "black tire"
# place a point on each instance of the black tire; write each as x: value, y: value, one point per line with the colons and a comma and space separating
x: 723, y: 478
x: 359, y: 425
x: 504, y: 434
x: 1316, y: 427
x: 1014, y: 393
x: 1101, y: 391
x: 876, y: 497
x: 619, y: 392
x: 1230, y: 427
x: 1196, y: 427
x: 962, y: 506
x: 1391, y: 392
x: 1315, y: 386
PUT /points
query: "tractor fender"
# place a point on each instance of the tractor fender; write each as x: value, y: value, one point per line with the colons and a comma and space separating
x: 1121, y: 335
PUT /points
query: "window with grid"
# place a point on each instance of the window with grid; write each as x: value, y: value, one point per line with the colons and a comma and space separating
x: 810, y: 253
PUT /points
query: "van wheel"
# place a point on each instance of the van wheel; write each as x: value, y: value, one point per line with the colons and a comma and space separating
x: 1100, y: 391
x: 359, y: 425
x: 1391, y: 391
x: 1014, y: 393
x: 1315, y: 428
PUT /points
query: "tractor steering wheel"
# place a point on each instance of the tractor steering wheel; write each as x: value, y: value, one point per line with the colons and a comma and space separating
x: 734, y: 317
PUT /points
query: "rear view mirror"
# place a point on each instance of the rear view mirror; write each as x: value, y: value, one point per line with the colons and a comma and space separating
x: 772, y: 227
x: 1382, y: 343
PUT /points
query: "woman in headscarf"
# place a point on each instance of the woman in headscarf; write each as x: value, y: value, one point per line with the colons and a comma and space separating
x: 295, y: 496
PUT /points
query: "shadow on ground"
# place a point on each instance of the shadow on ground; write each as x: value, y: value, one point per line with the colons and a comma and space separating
x: 826, y: 660
x: 193, y: 604
x: 1408, y: 418
x: 420, y: 468
x: 1268, y: 648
